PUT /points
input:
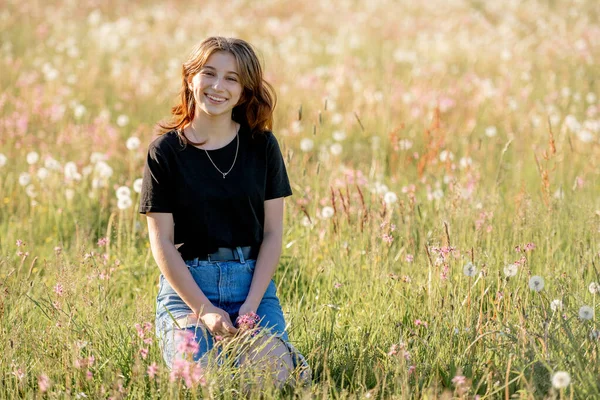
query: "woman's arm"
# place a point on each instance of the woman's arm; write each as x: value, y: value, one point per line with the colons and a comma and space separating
x: 268, y: 256
x: 171, y: 265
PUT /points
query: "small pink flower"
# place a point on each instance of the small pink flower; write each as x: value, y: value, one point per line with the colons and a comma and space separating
x: 387, y: 238
x: 58, y: 289
x: 144, y: 352
x: 418, y: 322
x: 89, y: 375
x: 148, y: 340
x: 139, y: 330
x: 459, y: 380
x: 337, y: 285
x: 247, y: 321
x: 409, y: 258
x: 147, y: 326
x: 393, y: 350
x: 102, y: 241
x: 20, y: 243
x: 91, y: 360
x: 44, y: 383
x: 188, y: 345
x: 529, y: 246
x: 411, y: 369
x: 152, y: 370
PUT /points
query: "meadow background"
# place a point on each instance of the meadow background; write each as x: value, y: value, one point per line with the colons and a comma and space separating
x: 443, y: 239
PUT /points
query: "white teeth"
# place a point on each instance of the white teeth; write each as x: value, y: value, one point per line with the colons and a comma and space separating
x: 215, y: 98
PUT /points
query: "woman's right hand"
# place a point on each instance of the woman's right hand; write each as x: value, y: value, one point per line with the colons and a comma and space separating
x: 217, y: 321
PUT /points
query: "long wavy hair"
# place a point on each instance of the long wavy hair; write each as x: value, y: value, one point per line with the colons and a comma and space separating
x: 258, y: 98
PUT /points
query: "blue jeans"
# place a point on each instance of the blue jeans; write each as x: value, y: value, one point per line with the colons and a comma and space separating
x: 226, y: 284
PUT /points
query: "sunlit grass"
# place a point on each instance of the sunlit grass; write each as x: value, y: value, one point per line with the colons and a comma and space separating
x: 444, y: 162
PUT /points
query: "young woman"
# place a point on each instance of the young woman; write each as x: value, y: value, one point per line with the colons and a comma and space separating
x: 213, y: 190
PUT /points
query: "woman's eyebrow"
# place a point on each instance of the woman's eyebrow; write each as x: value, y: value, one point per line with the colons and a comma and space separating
x: 214, y: 69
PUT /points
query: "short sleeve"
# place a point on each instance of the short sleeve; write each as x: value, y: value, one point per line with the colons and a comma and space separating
x: 278, y: 183
x: 157, y: 191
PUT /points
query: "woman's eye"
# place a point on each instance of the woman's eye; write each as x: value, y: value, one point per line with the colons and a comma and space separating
x: 232, y: 79
x: 207, y: 73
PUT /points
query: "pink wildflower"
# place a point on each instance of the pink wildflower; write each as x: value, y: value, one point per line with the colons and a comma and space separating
x: 58, y: 289
x: 459, y: 380
x: 144, y: 352
x: 43, y: 383
x: 247, y: 321
x: 20, y: 243
x: 387, y: 238
x: 418, y: 322
x: 180, y: 369
x: 89, y: 375
x: 102, y: 241
x: 409, y: 258
x: 337, y: 285
x: 529, y: 246
x: 140, y: 330
x: 411, y: 369
x: 188, y: 344
x: 152, y: 370
x: 148, y: 340
x: 90, y: 361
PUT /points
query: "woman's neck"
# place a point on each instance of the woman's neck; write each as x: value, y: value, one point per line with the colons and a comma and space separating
x: 214, y: 131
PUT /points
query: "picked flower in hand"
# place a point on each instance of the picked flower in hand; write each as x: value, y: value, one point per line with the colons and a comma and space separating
x: 247, y: 321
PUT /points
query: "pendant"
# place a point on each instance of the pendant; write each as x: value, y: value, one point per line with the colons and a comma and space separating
x: 224, y: 176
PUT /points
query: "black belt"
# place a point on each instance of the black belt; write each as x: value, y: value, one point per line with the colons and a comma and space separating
x: 231, y: 254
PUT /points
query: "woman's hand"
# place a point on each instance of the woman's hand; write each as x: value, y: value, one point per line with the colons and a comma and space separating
x: 247, y: 307
x: 217, y: 321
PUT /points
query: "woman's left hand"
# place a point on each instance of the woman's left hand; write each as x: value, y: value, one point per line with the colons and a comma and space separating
x: 247, y: 307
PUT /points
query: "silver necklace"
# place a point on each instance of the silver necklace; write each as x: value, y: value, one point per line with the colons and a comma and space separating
x: 237, y: 147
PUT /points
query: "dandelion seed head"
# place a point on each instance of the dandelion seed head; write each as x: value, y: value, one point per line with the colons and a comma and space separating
x: 470, y: 269
x: 390, y: 198
x: 511, y: 270
x: 594, y: 288
x: 123, y: 120
x: 586, y: 313
x: 327, y: 212
x: 133, y: 143
x: 32, y: 157
x: 124, y: 203
x: 307, y: 145
x: 561, y: 379
x: 536, y: 283
x: 556, y: 305
x: 122, y: 192
x: 137, y: 185
x: 24, y: 179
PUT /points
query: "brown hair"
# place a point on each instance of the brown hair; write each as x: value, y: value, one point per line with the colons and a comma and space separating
x: 258, y: 97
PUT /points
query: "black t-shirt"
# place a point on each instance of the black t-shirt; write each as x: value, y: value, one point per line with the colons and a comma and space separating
x: 208, y: 211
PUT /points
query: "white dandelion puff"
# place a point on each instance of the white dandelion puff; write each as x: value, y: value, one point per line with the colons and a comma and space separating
x: 336, y: 149
x: 123, y: 192
x: 42, y: 173
x: 586, y: 312
x: 390, y: 198
x: 561, y: 379
x: 491, y: 131
x: 339, y: 136
x: 594, y: 288
x: 30, y: 191
x: 470, y: 269
x: 32, y: 157
x: 103, y: 170
x: 137, y: 185
x: 306, y: 145
x: 133, y: 143
x: 69, y: 194
x: 124, y: 203
x: 24, y: 179
x: 122, y: 120
x: 536, y: 283
x: 511, y: 270
x: 52, y: 164
x: 556, y: 305
x: 327, y: 212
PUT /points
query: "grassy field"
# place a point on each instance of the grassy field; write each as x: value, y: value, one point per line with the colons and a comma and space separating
x: 443, y: 239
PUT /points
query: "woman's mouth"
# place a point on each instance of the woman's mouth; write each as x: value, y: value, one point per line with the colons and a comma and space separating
x: 215, y: 99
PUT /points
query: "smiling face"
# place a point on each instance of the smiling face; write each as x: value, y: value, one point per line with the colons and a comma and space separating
x: 217, y: 87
